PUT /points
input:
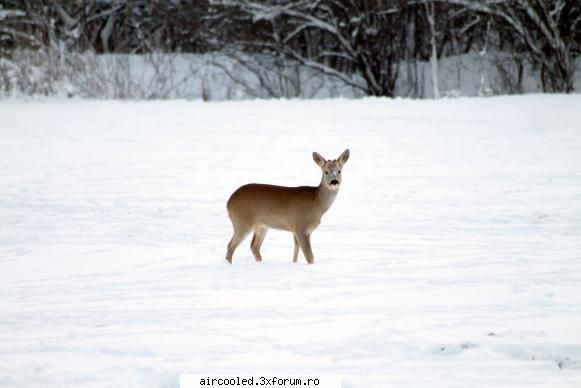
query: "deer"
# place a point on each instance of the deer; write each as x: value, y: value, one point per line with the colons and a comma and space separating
x: 257, y: 207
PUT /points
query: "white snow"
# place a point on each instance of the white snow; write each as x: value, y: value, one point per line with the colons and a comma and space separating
x: 451, y: 258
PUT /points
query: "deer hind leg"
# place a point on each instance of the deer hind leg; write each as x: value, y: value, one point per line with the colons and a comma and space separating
x: 257, y: 239
x: 305, y: 243
x: 296, y: 252
x: 240, y: 233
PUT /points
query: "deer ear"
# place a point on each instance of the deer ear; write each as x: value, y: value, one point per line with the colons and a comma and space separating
x: 344, y: 157
x: 318, y: 159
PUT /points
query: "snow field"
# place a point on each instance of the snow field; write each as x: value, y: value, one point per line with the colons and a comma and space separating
x: 451, y: 257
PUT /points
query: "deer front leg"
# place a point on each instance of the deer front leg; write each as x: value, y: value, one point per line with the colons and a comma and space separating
x: 305, y: 243
x: 296, y: 252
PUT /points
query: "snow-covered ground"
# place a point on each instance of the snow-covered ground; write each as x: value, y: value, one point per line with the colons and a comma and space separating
x: 451, y: 258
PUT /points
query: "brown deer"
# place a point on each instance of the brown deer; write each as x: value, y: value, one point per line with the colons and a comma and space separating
x: 257, y: 207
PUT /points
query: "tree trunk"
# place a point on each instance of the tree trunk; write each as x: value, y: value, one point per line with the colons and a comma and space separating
x: 431, y: 14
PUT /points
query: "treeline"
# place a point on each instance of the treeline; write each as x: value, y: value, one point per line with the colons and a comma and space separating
x: 367, y: 44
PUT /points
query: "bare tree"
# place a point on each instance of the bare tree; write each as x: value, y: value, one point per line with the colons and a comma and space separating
x: 547, y: 29
x: 377, y: 47
x: 431, y: 16
x: 119, y: 26
x: 359, y: 42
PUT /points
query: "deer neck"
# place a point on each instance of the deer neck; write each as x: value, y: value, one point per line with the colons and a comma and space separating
x: 325, y: 197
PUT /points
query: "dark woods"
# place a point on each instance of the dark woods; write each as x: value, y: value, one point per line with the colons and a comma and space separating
x: 367, y: 44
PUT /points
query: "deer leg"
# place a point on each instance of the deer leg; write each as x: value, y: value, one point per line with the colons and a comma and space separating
x: 296, y: 252
x: 257, y: 239
x: 239, y: 235
x: 305, y: 243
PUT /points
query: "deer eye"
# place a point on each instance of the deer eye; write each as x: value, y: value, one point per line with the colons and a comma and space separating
x: 339, y: 171
x: 326, y: 172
